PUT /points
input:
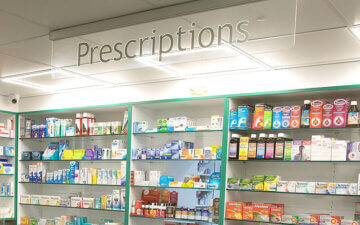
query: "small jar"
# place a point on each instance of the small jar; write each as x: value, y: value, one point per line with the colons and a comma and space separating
x: 191, y: 214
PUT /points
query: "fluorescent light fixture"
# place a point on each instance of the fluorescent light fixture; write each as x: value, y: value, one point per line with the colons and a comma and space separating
x: 148, y: 61
x: 356, y: 31
x: 29, y: 85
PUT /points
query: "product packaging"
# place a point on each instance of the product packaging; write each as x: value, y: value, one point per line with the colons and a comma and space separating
x: 258, y: 120
x: 327, y: 120
x: 268, y: 117
x: 261, y: 212
x: 305, y: 187
x: 245, y: 113
x: 316, y: 112
x: 296, y: 150
x: 270, y: 183
x: 277, y: 117
x: 286, y: 117
x: 340, y: 112
x: 243, y: 148
x: 286, y: 186
x: 295, y: 116
x: 234, y: 210
x: 258, y: 182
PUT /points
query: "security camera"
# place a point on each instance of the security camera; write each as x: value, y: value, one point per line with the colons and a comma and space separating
x: 14, y: 98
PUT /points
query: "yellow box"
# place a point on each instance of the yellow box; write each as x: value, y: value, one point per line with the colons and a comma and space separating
x: 68, y: 154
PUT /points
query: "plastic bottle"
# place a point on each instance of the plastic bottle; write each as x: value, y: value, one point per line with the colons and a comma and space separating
x: 234, y: 146
x: 252, y: 147
x: 279, y: 147
x: 353, y: 115
x: 305, y: 115
x: 270, y: 147
x: 261, y: 146
x: 147, y: 211
x: 85, y: 124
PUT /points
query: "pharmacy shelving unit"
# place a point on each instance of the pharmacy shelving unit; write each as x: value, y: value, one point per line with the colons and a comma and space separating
x: 311, y: 171
x: 9, y: 201
x: 102, y: 114
x: 200, y: 112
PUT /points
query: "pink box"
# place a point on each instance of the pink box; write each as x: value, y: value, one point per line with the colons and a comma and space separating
x: 340, y: 111
x: 327, y: 115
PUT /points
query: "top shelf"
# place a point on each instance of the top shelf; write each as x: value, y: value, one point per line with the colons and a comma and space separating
x: 75, y: 137
x: 176, y: 132
x: 299, y: 129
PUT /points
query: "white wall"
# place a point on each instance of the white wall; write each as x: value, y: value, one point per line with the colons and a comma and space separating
x: 6, y: 105
x: 236, y: 83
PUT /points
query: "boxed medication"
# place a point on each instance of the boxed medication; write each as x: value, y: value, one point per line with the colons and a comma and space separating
x: 245, y: 184
x: 276, y: 213
x: 296, y: 150
x: 234, y: 210
x: 245, y: 116
x: 88, y: 203
x: 290, y: 219
x: 306, y: 150
x: 44, y: 200
x: 25, y: 199
x: 329, y: 220
x: 270, y: 183
x: 295, y: 116
x: 248, y: 211
x: 346, y: 188
x: 353, y: 151
x: 340, y: 109
x: 327, y: 115
x: 258, y: 182
x: 233, y: 119
x: 35, y: 200
x: 309, y: 219
x: 339, y: 150
x: 286, y: 186
x: 267, y: 117
x: 55, y: 200
x: 305, y: 187
x: 285, y: 117
x: 277, y: 117
x: 243, y: 148
x: 325, y: 188
x: 261, y: 212
x: 316, y: 112
x: 76, y: 202
x: 258, y: 119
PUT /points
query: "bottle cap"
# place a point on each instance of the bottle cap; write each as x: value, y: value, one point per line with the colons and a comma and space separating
x: 235, y: 136
x: 272, y: 136
x: 307, y: 101
x: 281, y: 135
x: 78, y: 115
x: 353, y: 102
x: 253, y: 135
x: 262, y: 135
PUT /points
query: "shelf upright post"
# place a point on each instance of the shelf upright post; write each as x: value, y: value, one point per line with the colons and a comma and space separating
x: 225, y: 134
x: 16, y: 162
x: 128, y: 166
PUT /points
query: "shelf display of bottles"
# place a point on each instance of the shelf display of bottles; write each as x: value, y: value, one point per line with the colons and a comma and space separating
x: 164, y: 204
x: 281, y: 147
x: 313, y: 114
x: 85, y: 124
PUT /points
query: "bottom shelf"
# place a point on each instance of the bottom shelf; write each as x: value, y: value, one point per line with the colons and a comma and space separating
x: 253, y: 221
x: 1, y: 219
x: 113, y: 210
x: 174, y: 220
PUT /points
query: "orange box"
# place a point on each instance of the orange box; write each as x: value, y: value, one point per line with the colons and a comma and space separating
x: 248, y: 211
x: 316, y: 112
x: 25, y: 220
x: 295, y: 116
x: 261, y: 212
x: 234, y: 210
x: 258, y: 119
x: 276, y: 212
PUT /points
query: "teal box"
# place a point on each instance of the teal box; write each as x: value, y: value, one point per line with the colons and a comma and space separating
x: 245, y: 113
x: 165, y: 180
x: 277, y: 117
x: 233, y: 119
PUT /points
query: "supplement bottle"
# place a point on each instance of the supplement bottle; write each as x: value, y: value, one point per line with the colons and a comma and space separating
x: 270, y: 146
x: 252, y: 147
x: 353, y: 115
x: 305, y: 115
x: 234, y: 146
x: 279, y: 147
x: 261, y: 146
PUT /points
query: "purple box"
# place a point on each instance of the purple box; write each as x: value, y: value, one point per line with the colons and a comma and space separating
x: 89, y: 154
x: 340, y: 112
x: 286, y: 115
x: 97, y: 152
x: 353, y: 151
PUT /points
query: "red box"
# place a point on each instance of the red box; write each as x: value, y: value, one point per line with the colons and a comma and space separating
x: 258, y: 119
x: 327, y: 120
x: 261, y: 212
x: 316, y: 113
x: 248, y: 211
x: 276, y: 212
x: 234, y: 210
x: 295, y: 117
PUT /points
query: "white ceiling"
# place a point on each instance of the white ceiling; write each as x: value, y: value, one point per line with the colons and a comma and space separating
x: 322, y: 36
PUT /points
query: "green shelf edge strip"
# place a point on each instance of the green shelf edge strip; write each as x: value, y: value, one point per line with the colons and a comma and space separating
x: 183, y: 188
x: 173, y: 220
x: 128, y: 166
x: 16, y: 166
x: 66, y: 207
x: 253, y: 221
x: 9, y: 196
x: 224, y: 160
x: 290, y: 161
x: 88, y: 136
x: 1, y: 219
x: 102, y: 160
x: 176, y: 160
x: 94, y: 185
x: 178, y: 132
x: 293, y: 193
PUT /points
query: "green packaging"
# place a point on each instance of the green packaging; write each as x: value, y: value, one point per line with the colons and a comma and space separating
x: 159, y: 125
x: 287, y: 153
x: 246, y: 184
x: 97, y: 203
x: 258, y: 182
x: 233, y: 183
x: 33, y: 221
x: 164, y: 125
x: 267, y: 117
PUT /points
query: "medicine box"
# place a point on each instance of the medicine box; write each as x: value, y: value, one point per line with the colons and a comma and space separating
x: 286, y: 186
x: 305, y: 187
x: 277, y: 117
x: 270, y: 183
x: 290, y: 219
x: 76, y: 202
x: 339, y: 150
x: 25, y: 199
x: 258, y: 182
x: 44, y: 200
x: 55, y: 200
x: 276, y: 213
x: 285, y: 117
x: 296, y: 150
x: 234, y: 210
x: 261, y: 212
x: 245, y: 113
x: 248, y: 211
x: 346, y: 189
x: 88, y: 203
x: 246, y: 184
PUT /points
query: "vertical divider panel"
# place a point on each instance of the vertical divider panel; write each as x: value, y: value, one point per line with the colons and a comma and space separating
x: 128, y: 166
x: 224, y: 161
x: 16, y: 162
